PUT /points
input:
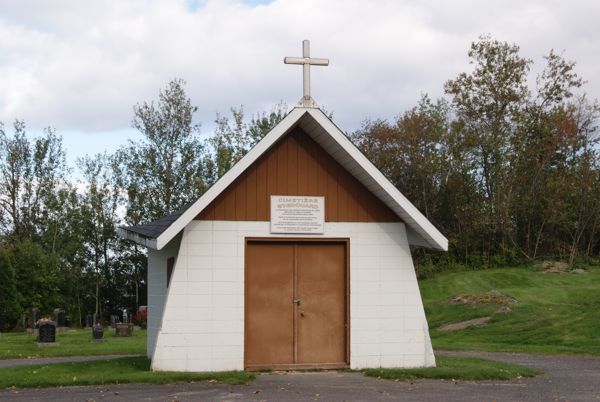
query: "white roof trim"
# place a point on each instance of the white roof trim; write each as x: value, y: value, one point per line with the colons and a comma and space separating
x: 417, y: 222
x: 403, y: 207
x: 213, y: 192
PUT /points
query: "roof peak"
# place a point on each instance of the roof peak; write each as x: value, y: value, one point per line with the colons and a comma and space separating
x: 319, y: 126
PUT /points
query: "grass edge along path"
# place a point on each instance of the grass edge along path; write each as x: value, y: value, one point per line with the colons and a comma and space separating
x: 457, y: 368
x: 101, y: 372
x: 137, y: 370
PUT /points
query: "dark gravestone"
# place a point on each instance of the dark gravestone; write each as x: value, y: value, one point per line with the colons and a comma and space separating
x: 47, y: 332
x: 89, y: 321
x: 59, y: 317
x: 97, y: 333
x: 67, y: 321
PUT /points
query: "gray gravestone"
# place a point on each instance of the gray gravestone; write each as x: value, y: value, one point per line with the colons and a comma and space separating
x: 59, y: 317
x: 124, y: 329
x: 35, y: 316
x: 89, y: 321
x: 114, y: 319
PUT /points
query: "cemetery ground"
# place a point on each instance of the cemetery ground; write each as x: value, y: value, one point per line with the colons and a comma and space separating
x: 527, y: 310
x: 74, y: 342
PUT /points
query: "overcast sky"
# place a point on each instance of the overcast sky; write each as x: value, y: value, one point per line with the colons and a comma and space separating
x: 80, y: 66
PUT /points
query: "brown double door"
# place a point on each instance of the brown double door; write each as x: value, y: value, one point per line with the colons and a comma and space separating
x: 296, y: 304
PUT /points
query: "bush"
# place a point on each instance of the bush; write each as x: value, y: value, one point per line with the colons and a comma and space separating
x: 141, y: 319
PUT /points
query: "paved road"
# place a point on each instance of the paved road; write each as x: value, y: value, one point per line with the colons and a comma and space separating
x: 566, y: 378
x: 54, y: 360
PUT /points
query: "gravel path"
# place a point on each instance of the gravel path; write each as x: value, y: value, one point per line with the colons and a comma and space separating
x: 566, y: 378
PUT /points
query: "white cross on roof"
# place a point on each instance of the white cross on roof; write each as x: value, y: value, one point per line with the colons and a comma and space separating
x: 306, y: 61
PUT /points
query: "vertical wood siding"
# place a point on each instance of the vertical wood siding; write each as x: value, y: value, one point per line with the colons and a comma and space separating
x: 297, y: 165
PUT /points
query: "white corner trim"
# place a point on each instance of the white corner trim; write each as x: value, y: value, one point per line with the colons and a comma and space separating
x: 427, y: 230
x: 261, y: 147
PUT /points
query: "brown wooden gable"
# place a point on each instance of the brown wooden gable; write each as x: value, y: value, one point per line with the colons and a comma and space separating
x: 297, y: 165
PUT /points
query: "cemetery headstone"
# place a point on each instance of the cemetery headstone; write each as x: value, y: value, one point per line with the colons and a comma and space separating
x: 24, y: 323
x: 98, y: 333
x: 114, y: 319
x: 125, y: 316
x: 35, y: 316
x: 124, y: 329
x: 47, y: 333
x: 89, y: 321
x: 59, y: 317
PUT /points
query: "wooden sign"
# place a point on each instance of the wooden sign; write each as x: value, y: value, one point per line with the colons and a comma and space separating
x: 297, y: 214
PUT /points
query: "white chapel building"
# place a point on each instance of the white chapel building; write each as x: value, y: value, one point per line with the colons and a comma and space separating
x: 297, y: 258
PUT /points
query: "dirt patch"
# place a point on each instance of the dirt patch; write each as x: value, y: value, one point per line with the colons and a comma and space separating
x: 553, y: 266
x: 464, y: 324
x: 491, y: 297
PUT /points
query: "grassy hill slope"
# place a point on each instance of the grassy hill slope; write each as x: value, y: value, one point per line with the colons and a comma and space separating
x: 553, y: 312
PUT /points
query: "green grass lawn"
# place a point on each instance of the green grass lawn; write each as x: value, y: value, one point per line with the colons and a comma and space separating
x: 20, y: 345
x: 117, y: 371
x: 458, y: 368
x: 554, y: 313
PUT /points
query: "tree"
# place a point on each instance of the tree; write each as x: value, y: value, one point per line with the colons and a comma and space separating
x: 489, y: 102
x: 233, y: 137
x: 507, y: 171
x: 167, y: 169
x: 99, y: 205
x: 30, y: 174
x: 9, y: 297
x: 411, y: 152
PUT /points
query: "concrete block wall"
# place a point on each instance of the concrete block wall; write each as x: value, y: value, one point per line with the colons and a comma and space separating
x: 202, y: 327
x: 157, y: 289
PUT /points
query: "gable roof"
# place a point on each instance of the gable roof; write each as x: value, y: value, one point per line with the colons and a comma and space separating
x: 322, y: 130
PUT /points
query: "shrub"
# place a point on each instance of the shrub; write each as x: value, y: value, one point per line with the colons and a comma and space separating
x: 141, y: 318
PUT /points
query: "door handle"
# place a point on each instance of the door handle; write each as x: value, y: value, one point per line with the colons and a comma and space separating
x: 296, y: 302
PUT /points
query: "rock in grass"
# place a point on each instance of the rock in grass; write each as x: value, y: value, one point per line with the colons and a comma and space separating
x: 491, y: 297
x: 464, y: 324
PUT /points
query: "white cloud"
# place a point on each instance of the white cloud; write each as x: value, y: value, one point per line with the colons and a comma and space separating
x: 81, y: 66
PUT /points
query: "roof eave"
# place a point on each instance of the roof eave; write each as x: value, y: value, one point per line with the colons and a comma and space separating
x: 137, y: 238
